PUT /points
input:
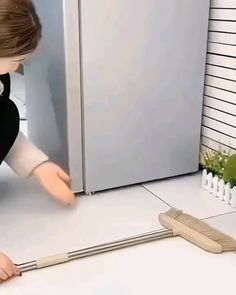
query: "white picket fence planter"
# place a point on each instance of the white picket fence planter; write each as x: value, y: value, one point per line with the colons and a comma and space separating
x: 218, y: 188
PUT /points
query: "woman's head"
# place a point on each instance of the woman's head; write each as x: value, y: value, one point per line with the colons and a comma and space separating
x: 20, y: 32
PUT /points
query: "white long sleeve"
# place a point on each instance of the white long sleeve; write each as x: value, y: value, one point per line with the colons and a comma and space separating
x: 24, y: 156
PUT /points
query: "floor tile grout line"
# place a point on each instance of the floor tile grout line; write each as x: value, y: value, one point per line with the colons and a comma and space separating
x: 219, y: 215
x: 205, y: 218
x: 155, y: 195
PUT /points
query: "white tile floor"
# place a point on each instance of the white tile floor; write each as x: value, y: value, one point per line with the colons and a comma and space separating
x: 33, y: 226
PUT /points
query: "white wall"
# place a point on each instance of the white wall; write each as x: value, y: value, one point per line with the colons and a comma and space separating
x: 219, y: 110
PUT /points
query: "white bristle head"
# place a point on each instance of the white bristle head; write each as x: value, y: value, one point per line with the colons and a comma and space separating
x: 227, y: 243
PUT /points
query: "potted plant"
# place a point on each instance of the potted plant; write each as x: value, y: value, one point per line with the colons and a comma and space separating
x: 219, y: 175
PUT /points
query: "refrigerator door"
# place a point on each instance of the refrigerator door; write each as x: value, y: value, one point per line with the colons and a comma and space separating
x: 143, y: 77
x: 53, y: 87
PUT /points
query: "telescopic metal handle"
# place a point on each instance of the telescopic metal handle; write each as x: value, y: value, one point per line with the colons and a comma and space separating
x: 103, y: 248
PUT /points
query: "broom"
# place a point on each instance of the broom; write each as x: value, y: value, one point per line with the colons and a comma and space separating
x: 176, y: 223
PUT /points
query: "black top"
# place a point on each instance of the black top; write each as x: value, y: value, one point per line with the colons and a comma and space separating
x: 4, y: 96
x: 9, y: 118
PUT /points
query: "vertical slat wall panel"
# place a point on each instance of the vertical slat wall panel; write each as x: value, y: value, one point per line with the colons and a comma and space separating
x: 219, y: 110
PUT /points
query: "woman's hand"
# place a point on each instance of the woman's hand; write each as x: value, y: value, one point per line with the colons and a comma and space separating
x: 55, y: 181
x: 7, y: 268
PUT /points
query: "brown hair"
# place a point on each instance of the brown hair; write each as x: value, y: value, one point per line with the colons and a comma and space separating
x: 20, y: 28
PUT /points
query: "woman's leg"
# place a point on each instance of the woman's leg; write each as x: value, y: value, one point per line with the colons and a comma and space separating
x: 9, y: 127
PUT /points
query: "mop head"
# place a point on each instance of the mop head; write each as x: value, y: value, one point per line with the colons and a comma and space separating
x: 197, y: 232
